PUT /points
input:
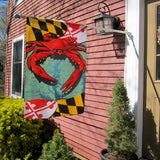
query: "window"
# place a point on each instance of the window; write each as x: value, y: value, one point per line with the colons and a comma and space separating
x: 17, y: 2
x: 17, y: 67
x: 158, y: 45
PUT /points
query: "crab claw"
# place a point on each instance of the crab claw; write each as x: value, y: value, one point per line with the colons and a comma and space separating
x: 72, y: 80
x: 33, y: 65
x: 77, y: 59
x: 39, y: 72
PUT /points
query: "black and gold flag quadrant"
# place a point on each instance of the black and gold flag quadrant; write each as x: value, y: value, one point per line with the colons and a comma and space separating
x: 71, y: 106
x: 38, y: 27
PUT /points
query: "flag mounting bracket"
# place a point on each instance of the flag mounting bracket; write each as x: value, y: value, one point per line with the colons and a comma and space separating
x: 129, y: 34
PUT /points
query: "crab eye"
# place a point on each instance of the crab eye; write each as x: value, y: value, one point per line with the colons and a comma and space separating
x: 48, y: 37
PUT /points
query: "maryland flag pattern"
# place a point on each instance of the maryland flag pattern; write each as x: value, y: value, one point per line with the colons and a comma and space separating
x: 38, y: 27
x: 55, y: 68
x: 71, y: 106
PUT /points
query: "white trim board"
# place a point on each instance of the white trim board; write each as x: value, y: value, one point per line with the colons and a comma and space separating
x: 134, y: 62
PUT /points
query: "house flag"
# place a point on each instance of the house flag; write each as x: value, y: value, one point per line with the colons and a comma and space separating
x: 55, y: 68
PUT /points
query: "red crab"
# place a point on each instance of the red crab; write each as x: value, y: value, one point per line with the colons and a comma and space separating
x: 66, y: 46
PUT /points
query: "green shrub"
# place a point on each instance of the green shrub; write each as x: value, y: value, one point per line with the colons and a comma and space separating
x: 18, y: 136
x: 56, y: 149
x: 121, y: 123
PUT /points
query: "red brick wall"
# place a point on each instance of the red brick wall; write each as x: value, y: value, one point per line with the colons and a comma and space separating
x: 105, y: 63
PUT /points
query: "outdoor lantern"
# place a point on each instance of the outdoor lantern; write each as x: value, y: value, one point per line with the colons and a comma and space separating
x: 105, y: 21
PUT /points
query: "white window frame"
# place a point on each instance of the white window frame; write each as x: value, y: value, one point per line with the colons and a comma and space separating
x: 14, y: 41
x: 17, y: 3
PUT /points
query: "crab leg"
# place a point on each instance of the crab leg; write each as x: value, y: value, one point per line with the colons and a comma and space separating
x: 78, y: 60
x: 30, y: 47
x: 80, y: 49
x: 38, y: 55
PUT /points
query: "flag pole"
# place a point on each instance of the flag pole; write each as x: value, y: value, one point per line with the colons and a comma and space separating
x: 91, y: 27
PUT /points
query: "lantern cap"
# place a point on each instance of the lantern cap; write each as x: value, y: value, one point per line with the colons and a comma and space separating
x: 102, y: 16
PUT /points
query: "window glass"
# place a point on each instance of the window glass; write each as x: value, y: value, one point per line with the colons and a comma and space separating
x: 158, y: 68
x: 16, y: 81
x: 17, y: 2
x: 18, y: 50
x: 158, y: 45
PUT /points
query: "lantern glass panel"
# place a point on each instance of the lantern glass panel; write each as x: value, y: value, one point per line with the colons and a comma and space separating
x: 108, y: 23
x: 99, y: 23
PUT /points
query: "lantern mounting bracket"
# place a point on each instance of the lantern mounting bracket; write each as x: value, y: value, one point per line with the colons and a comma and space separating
x: 129, y: 34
